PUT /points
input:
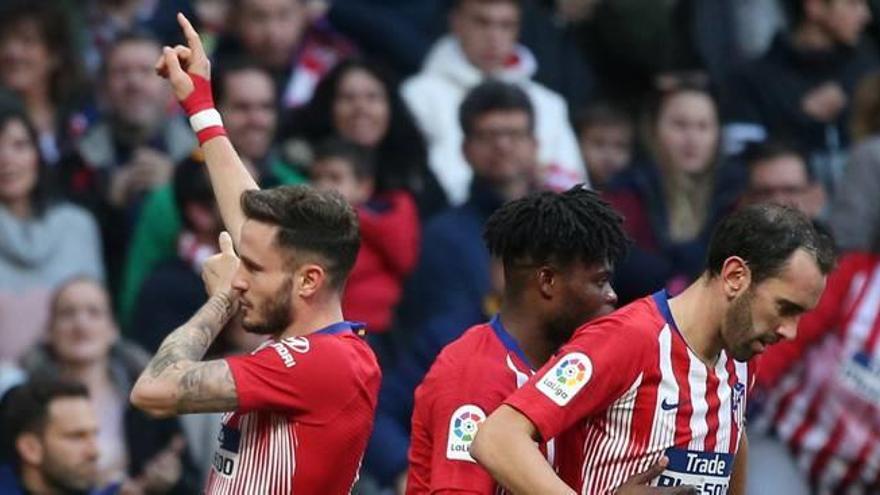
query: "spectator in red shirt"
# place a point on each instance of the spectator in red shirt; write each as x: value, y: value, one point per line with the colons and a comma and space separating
x: 389, y: 225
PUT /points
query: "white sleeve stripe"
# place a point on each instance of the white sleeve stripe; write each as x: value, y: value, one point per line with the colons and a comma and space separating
x: 205, y: 119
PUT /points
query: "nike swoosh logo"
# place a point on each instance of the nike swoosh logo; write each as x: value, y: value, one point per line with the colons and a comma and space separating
x: 667, y: 406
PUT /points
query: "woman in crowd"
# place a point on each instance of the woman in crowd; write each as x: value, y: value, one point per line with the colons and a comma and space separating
x: 671, y: 201
x: 39, y: 64
x: 43, y: 241
x: 146, y: 455
x: 359, y: 102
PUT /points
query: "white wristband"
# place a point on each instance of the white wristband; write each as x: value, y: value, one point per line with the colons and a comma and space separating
x: 205, y: 119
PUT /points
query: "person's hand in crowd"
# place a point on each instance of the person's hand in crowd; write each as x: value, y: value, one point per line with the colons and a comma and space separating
x: 147, y: 170
x: 638, y: 483
x: 179, y: 63
x: 161, y: 473
x: 824, y: 102
x: 219, y: 270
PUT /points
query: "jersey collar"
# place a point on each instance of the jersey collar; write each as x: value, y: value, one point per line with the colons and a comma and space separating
x: 661, y: 299
x: 342, y: 327
x: 508, y: 341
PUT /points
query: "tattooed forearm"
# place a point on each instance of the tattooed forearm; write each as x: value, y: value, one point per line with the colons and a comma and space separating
x: 191, y: 341
x: 175, y: 381
x: 209, y: 387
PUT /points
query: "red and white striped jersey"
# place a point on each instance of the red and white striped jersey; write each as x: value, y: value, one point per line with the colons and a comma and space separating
x: 631, y: 390
x: 826, y: 407
x: 306, y: 407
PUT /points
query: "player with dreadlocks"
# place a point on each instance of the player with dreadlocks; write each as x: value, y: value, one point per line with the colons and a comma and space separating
x: 558, y: 252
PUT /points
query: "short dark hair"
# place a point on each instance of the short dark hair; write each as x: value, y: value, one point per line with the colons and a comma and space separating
x: 359, y: 158
x: 548, y: 227
x: 234, y: 65
x: 124, y: 38
x: 765, y: 236
x: 316, y: 222
x: 191, y: 184
x: 25, y: 408
x: 602, y: 113
x: 493, y: 96
x: 758, y: 152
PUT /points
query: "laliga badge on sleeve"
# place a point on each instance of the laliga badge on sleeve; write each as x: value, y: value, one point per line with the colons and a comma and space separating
x: 463, y: 427
x: 566, y: 378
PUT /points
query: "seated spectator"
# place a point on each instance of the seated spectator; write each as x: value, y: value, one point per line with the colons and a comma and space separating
x: 359, y: 101
x: 84, y: 346
x: 50, y: 428
x: 451, y: 288
x: 855, y: 215
x: 43, y: 241
x: 819, y: 416
x: 39, y: 63
x: 245, y: 95
x: 606, y: 138
x: 778, y: 173
x: 671, y: 203
x: 801, y: 88
x: 482, y: 43
x: 131, y: 149
x: 389, y: 226
x: 290, y: 38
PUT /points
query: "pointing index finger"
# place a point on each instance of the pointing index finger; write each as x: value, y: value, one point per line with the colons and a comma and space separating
x: 192, y: 37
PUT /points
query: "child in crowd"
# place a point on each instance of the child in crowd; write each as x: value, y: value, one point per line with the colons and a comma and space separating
x: 389, y: 225
x: 605, y: 135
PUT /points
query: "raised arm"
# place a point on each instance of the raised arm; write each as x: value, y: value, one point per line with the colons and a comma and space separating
x: 189, y: 71
x: 176, y: 381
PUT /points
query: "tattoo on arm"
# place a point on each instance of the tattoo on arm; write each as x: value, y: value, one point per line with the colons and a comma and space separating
x: 207, y: 387
x: 178, y: 379
x: 191, y: 341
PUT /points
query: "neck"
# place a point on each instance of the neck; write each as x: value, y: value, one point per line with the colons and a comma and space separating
x: 39, y: 107
x: 810, y: 36
x: 699, y: 319
x: 34, y: 482
x: 512, y: 190
x: 93, y: 375
x: 20, y: 208
x: 527, y: 329
x: 313, y: 318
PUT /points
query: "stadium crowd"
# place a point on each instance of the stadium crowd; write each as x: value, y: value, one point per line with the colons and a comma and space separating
x: 426, y: 116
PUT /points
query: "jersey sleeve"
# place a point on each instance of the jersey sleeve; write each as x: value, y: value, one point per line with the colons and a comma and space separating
x: 450, y: 405
x: 586, y: 376
x: 304, y: 376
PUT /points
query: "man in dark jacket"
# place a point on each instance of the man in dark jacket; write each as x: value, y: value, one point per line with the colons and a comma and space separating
x: 800, y: 89
x: 50, y: 430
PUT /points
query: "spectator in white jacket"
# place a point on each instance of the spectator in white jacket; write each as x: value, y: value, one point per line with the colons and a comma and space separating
x: 483, y: 43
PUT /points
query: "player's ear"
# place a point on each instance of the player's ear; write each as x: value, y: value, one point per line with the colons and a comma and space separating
x: 548, y: 281
x: 310, y: 278
x: 736, y: 277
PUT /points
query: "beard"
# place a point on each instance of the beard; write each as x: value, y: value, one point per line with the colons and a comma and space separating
x: 72, y: 480
x: 275, y: 314
x: 738, y: 326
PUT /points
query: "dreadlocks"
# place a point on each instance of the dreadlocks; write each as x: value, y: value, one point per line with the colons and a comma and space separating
x: 548, y: 227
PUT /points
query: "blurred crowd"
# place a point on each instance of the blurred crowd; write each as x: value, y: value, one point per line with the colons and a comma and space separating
x: 426, y: 115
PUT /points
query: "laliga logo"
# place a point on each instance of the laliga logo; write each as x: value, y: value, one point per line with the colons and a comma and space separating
x: 566, y: 378
x: 571, y: 372
x: 466, y: 425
